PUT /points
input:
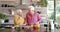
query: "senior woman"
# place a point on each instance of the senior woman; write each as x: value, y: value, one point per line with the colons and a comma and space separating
x: 18, y: 20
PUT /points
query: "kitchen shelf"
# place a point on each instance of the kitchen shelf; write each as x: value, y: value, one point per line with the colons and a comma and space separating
x: 10, y: 15
x: 7, y: 0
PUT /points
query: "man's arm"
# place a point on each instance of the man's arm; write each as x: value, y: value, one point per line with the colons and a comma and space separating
x: 26, y: 20
x: 39, y: 18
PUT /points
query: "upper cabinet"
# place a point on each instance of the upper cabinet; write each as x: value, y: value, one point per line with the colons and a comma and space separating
x: 9, y: 3
x: 7, y: 0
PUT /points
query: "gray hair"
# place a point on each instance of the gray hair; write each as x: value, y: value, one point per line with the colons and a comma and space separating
x: 19, y: 10
x: 31, y: 7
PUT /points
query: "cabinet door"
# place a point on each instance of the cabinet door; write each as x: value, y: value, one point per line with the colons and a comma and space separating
x: 7, y: 0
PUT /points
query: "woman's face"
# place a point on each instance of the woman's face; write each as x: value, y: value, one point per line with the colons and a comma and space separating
x: 20, y: 12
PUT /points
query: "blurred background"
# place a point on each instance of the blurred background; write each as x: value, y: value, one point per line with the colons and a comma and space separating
x: 50, y: 10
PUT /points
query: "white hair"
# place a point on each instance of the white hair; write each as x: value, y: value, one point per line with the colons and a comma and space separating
x: 19, y: 10
x: 31, y: 7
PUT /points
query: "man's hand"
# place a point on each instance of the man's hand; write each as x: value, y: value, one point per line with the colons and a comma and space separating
x: 37, y: 22
x: 24, y: 24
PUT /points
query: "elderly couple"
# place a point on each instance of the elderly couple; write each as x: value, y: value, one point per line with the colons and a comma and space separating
x: 32, y: 17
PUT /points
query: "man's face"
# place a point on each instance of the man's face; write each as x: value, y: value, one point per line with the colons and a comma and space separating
x: 31, y: 10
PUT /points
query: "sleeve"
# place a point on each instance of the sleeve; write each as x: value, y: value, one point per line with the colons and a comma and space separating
x: 25, y: 21
x: 26, y: 18
x: 39, y: 18
x: 15, y: 19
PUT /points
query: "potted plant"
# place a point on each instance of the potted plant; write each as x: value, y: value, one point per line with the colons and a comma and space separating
x: 2, y: 17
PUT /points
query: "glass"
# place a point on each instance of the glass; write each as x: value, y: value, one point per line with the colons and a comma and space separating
x: 50, y: 10
x: 58, y: 11
x: 7, y: 0
x: 57, y: 15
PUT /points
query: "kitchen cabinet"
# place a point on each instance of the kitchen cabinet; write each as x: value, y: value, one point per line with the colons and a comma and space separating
x: 7, y: 0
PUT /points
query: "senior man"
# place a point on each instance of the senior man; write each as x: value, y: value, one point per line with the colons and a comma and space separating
x: 32, y: 18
